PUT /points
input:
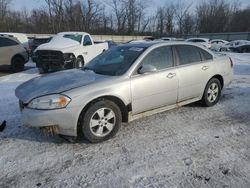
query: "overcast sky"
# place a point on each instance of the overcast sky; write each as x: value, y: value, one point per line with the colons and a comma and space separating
x: 30, y: 4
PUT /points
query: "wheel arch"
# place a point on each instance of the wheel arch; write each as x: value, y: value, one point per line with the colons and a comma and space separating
x: 17, y: 55
x: 80, y: 56
x: 220, y: 78
x: 125, y: 109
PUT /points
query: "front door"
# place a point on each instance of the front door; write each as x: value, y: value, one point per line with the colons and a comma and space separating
x: 155, y: 89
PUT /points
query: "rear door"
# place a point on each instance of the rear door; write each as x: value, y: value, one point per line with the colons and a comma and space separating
x: 156, y: 89
x: 194, y: 70
x: 8, y: 48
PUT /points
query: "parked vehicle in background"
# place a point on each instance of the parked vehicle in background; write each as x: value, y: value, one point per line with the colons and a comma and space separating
x: 125, y: 83
x: 21, y: 37
x: 138, y: 41
x: 12, y: 53
x: 218, y: 45
x: 67, y: 50
x: 240, y: 46
x: 34, y: 42
x: 202, y: 41
x: 111, y: 43
x: 167, y: 38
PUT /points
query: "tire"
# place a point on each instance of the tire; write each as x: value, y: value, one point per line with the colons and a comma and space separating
x: 79, y: 62
x: 43, y: 70
x: 244, y: 50
x: 17, y: 64
x: 101, y: 121
x: 212, y: 93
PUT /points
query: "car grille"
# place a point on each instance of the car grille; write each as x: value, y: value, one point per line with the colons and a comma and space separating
x: 49, y: 57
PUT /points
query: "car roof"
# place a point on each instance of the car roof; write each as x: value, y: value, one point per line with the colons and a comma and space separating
x: 148, y: 44
x: 9, y: 37
x: 19, y: 36
x: 73, y: 33
x: 197, y: 38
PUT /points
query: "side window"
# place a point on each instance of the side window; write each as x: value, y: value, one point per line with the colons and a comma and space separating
x: 4, y: 42
x: 197, y: 40
x: 160, y: 58
x: 205, y: 55
x: 87, y: 41
x: 1, y: 42
x: 188, y: 54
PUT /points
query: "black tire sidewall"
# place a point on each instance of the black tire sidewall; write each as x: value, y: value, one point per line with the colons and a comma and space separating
x: 85, y: 122
x: 205, y: 95
x: 17, y: 64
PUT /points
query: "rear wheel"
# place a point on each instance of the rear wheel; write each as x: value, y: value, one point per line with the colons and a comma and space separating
x: 212, y: 92
x: 17, y: 64
x: 101, y: 121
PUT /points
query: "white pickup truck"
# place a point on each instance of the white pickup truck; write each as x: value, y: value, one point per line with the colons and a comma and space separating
x: 67, y: 50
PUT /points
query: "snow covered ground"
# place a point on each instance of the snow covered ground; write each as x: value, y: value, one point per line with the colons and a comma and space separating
x: 187, y: 147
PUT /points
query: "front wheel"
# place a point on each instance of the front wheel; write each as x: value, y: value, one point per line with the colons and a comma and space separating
x: 43, y: 70
x: 212, y: 92
x: 101, y: 121
x: 79, y: 62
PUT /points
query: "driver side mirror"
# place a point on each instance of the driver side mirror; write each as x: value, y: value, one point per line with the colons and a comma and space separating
x: 147, y: 69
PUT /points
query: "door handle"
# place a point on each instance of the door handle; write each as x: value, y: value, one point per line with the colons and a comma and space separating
x: 85, y: 53
x: 171, y: 75
x: 205, y: 67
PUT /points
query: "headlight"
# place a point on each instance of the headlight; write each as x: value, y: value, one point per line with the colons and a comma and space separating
x: 49, y: 102
x: 69, y: 57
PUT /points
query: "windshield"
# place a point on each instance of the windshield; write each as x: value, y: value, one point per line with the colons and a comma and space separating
x: 76, y: 37
x: 116, y: 61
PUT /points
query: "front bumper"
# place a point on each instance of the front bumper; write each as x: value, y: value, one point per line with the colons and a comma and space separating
x: 65, y: 119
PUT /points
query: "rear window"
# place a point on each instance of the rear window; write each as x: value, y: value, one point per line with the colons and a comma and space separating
x: 196, y: 40
x: 188, y: 54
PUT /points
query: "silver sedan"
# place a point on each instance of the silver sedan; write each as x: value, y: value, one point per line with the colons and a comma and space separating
x: 124, y: 83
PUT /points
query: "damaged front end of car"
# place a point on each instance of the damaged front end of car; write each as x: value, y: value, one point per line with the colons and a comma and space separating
x: 51, y: 60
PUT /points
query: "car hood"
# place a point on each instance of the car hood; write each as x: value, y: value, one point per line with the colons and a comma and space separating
x: 58, y: 43
x: 57, y: 82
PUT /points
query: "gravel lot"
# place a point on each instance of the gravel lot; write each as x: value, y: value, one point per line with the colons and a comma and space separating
x: 187, y: 147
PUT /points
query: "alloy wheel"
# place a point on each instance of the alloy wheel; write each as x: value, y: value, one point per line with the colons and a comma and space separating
x: 102, y: 122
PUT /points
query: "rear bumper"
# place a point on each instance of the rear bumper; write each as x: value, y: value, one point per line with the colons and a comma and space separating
x: 64, y: 119
x: 228, y: 79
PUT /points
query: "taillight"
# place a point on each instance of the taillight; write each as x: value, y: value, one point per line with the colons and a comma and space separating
x: 231, y: 62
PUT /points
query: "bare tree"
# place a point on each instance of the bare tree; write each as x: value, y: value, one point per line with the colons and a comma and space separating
x: 126, y: 17
x: 119, y: 13
x: 181, y: 10
x: 213, y: 16
x: 165, y: 19
x: 160, y: 20
x: 4, y: 5
x: 169, y: 15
